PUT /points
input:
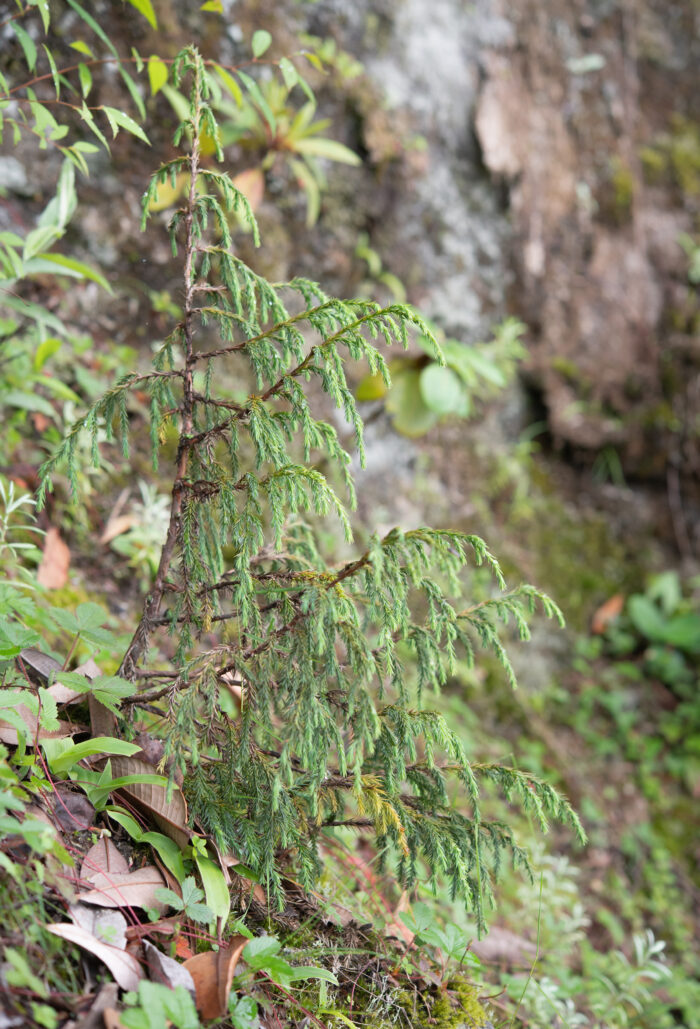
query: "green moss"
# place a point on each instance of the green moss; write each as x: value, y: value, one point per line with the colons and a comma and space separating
x: 623, y: 189
x: 675, y: 156
x: 684, y: 153
x: 571, y: 372
x: 654, y: 164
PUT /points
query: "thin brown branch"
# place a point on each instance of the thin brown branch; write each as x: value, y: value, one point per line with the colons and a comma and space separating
x: 151, y: 608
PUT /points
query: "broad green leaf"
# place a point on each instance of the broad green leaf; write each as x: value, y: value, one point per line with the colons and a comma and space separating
x: 38, y: 239
x: 404, y: 401
x: 28, y: 402
x: 99, y: 745
x: 85, y: 76
x: 258, y: 950
x: 118, y: 119
x: 254, y: 90
x: 61, y: 207
x: 82, y: 48
x: 683, y: 631
x: 36, y: 312
x: 486, y: 367
x: 43, y: 8
x: 213, y: 5
x: 260, y: 42
x: 372, y: 387
x: 230, y: 83
x: 215, y: 888
x: 666, y: 588
x: 312, y: 972
x: 308, y: 183
x: 647, y: 618
x: 157, y: 74
x: 289, y: 73
x: 440, y: 389
x: 94, y: 25
x: 329, y: 149
x: 169, y: 853
x: 134, y: 92
x: 178, y: 102
x: 28, y: 45
x: 79, y: 267
x: 145, y: 7
x: 87, y: 116
x: 46, y: 349
x: 54, y: 69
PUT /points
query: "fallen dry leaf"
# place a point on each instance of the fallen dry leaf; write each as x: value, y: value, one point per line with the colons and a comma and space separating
x: 8, y: 733
x: 125, y: 968
x: 116, y: 526
x: 103, y: 857
x: 213, y: 974
x: 165, y: 926
x: 72, y: 810
x: 111, y: 1019
x: 166, y: 970
x: 183, y: 949
x: 106, y: 926
x: 251, y: 183
x: 38, y: 664
x: 396, y: 927
x: 126, y: 889
x: 53, y: 570
x: 607, y: 613
x: 106, y: 998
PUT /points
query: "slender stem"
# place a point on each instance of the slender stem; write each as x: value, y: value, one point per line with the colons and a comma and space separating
x: 139, y: 642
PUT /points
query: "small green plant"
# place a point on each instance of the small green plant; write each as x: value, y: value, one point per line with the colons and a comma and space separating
x: 263, y: 122
x: 450, y: 939
x: 141, y: 543
x: 666, y: 624
x: 333, y: 730
x: 155, y: 1006
x: 425, y: 389
x: 691, y: 249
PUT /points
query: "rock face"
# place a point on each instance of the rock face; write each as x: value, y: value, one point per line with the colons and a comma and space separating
x: 601, y: 167
x: 533, y: 157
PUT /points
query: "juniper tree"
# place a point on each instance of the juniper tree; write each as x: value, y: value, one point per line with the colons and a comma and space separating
x: 333, y: 663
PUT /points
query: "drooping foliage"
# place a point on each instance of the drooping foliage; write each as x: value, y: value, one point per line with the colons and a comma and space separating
x: 331, y: 665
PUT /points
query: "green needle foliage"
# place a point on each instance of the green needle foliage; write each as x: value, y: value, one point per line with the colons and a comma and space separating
x: 332, y: 664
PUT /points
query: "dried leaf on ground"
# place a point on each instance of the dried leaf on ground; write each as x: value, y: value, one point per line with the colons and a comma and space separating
x: 38, y: 664
x: 164, y: 926
x: 607, y: 613
x: 112, y: 1020
x: 213, y: 974
x: 116, y: 526
x: 131, y: 889
x: 125, y: 968
x: 166, y: 970
x: 396, y: 927
x: 106, y: 998
x: 53, y: 570
x: 103, y: 857
x: 169, y: 815
x: 106, y: 926
x: 72, y: 810
x: 9, y: 735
